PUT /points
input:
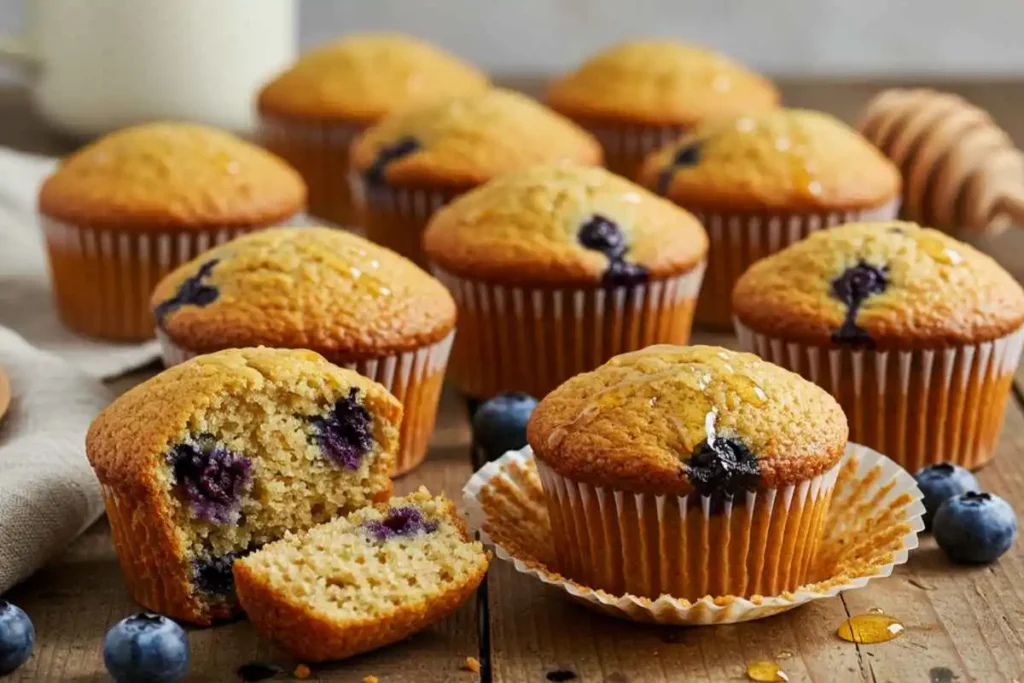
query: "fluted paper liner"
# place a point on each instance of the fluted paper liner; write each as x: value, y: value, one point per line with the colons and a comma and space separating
x: 626, y: 146
x: 921, y: 407
x: 871, y: 526
x: 103, y: 276
x: 319, y: 151
x: 396, y: 217
x: 414, y: 378
x: 738, y: 240
x: 533, y: 339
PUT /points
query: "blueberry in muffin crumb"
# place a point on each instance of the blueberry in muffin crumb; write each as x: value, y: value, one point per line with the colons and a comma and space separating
x: 345, y: 434
x: 722, y: 467
x: 400, y: 522
x: 604, y: 235
x: 211, y: 477
x: 393, y: 152
x: 192, y: 292
x: 853, y: 287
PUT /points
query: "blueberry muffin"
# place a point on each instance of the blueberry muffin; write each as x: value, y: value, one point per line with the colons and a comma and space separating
x: 688, y: 471
x: 412, y: 163
x: 759, y: 183
x: 916, y: 334
x: 362, y: 581
x: 127, y: 209
x: 359, y: 305
x: 215, y: 457
x: 637, y: 96
x: 556, y: 269
x: 310, y: 114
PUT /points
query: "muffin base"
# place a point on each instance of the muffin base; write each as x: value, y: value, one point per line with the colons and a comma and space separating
x: 103, y: 277
x: 319, y: 151
x: 532, y: 340
x: 918, y: 407
x: 415, y: 378
x: 686, y: 546
x: 738, y: 240
x: 396, y: 217
x: 626, y: 146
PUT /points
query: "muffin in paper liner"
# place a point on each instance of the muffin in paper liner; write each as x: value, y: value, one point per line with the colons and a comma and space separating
x: 415, y: 378
x: 396, y: 217
x: 533, y: 338
x: 627, y: 145
x: 103, y: 276
x: 738, y: 240
x: 319, y: 152
x: 870, y: 528
x: 921, y: 406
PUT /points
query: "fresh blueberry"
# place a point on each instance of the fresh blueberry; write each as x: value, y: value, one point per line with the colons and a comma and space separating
x: 941, y: 482
x: 403, y: 521
x: 387, y: 154
x: 499, y: 424
x: 146, y: 648
x: 17, y: 637
x: 723, y: 467
x: 975, y: 528
x: 212, y: 477
x: 346, y: 433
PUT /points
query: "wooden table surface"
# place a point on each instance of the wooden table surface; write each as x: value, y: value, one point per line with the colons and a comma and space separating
x: 962, y: 624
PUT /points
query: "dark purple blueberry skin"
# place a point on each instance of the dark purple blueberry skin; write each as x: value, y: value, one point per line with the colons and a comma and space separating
x: 604, y: 235
x: 192, y: 292
x: 499, y: 424
x: 17, y: 637
x: 374, y: 175
x: 975, y: 528
x: 684, y: 156
x: 400, y: 522
x: 724, y: 468
x: 345, y: 435
x: 213, y: 576
x: 211, y: 477
x: 853, y: 287
x: 941, y: 482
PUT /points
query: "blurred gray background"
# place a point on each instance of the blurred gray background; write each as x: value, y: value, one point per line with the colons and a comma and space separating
x: 783, y: 37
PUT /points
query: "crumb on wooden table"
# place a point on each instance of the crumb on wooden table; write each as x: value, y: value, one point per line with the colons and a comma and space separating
x: 302, y: 672
x: 472, y: 664
x: 371, y: 679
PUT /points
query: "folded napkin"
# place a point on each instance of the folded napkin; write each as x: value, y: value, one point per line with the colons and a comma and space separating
x: 48, y: 493
x: 26, y: 305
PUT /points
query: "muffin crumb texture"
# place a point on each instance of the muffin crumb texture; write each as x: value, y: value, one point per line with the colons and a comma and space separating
x: 674, y: 419
x: 362, y: 581
x: 465, y: 141
x: 890, y: 285
x: 773, y: 162
x: 218, y: 456
x: 172, y: 175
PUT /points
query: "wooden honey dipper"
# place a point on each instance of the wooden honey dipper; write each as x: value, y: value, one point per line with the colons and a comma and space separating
x: 961, y: 171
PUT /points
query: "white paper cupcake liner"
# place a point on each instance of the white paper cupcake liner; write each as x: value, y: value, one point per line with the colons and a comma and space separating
x: 414, y: 378
x: 626, y: 146
x: 103, y: 277
x: 871, y: 527
x: 533, y: 339
x: 396, y: 217
x: 320, y: 152
x: 738, y: 240
x: 921, y: 407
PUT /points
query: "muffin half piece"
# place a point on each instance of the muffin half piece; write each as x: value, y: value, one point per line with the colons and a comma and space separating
x: 688, y: 471
x: 217, y: 456
x: 363, y: 581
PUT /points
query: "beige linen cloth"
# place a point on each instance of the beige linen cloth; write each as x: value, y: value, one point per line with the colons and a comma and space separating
x: 48, y: 494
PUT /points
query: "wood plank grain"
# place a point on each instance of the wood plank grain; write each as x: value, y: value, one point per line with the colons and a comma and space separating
x: 76, y: 599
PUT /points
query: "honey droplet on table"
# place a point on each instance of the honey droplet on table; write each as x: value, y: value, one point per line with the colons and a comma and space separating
x: 873, y: 627
x: 765, y: 671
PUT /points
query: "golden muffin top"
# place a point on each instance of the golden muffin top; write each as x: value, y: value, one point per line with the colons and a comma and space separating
x: 660, y: 82
x: 561, y: 225
x: 677, y: 419
x: 462, y: 142
x: 362, y: 77
x: 172, y: 175
x: 789, y: 159
x: 885, y: 285
x: 318, y: 288
x: 127, y: 443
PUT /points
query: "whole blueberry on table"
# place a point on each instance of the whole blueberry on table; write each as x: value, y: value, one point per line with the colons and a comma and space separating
x: 941, y: 482
x: 17, y: 637
x: 146, y: 648
x: 499, y: 424
x: 975, y: 528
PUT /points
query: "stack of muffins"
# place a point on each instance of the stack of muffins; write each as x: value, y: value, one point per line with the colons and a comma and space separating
x: 550, y: 275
